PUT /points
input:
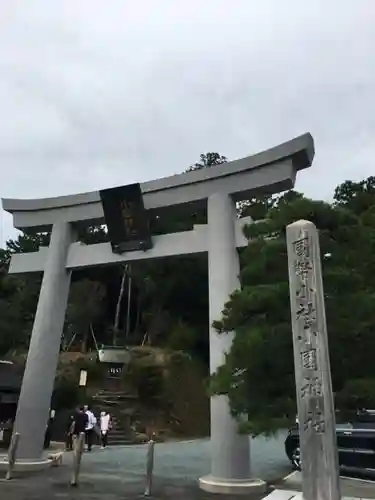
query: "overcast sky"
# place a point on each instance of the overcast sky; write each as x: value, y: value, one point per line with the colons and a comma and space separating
x: 98, y: 93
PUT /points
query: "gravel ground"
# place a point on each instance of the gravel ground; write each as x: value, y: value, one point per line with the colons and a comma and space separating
x: 118, y: 473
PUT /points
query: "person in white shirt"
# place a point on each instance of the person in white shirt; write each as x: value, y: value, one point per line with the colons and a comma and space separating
x: 91, y: 423
x: 105, y: 425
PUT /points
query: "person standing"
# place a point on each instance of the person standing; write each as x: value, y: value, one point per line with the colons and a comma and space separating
x: 49, y: 428
x: 79, y: 422
x: 105, y: 425
x: 90, y: 425
x: 78, y: 426
x: 69, y: 433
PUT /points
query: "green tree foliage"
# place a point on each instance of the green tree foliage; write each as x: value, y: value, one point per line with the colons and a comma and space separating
x: 18, y: 298
x: 84, y: 307
x: 258, y: 374
x: 356, y: 196
x: 28, y: 242
x: 207, y: 160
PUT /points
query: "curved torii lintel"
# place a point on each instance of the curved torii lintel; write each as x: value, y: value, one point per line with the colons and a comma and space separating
x: 270, y: 171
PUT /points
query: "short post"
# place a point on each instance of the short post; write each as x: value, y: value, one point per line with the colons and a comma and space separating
x: 149, y: 466
x: 79, y: 443
x: 12, y: 453
x: 316, y: 414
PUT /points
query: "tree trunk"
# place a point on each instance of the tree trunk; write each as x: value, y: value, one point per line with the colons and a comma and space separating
x: 139, y: 307
x: 129, y: 302
x: 118, y: 307
x: 155, y: 322
x: 84, y: 344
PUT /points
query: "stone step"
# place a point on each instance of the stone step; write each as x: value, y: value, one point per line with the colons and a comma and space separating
x: 112, y: 398
x: 119, y: 442
x: 115, y: 393
x: 109, y: 399
x: 118, y: 432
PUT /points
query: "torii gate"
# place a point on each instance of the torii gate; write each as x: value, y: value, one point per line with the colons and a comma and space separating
x: 218, y: 189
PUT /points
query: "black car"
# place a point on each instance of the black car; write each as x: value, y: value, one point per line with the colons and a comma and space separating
x: 355, y: 443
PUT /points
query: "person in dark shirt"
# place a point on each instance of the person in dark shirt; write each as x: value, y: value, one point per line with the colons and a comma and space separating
x: 80, y: 422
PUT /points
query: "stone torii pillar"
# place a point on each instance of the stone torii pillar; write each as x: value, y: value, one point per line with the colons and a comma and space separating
x: 230, y: 451
x: 40, y: 371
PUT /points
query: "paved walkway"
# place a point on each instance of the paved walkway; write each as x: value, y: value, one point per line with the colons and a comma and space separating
x: 56, y: 487
x: 350, y: 487
x: 118, y: 473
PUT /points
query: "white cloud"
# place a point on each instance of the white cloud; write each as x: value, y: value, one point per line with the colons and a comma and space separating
x: 95, y: 94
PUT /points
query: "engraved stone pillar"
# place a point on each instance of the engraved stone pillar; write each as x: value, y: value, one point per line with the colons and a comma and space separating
x: 230, y: 466
x: 38, y: 381
x: 317, y: 429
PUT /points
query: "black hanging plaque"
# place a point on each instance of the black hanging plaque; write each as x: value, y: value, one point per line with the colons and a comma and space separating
x: 126, y: 218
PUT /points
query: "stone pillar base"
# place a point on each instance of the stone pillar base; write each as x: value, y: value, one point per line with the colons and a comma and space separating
x: 36, y: 465
x: 227, y: 487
